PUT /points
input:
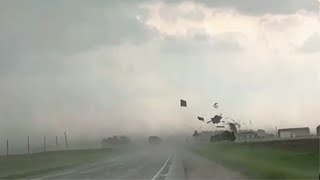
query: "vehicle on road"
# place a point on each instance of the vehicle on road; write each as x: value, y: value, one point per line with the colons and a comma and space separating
x: 154, y: 140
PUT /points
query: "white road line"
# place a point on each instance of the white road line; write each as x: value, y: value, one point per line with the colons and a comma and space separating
x: 53, y: 175
x: 164, y: 165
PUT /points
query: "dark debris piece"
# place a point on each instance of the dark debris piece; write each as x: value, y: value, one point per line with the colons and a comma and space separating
x: 200, y: 118
x: 183, y: 103
x: 216, y: 119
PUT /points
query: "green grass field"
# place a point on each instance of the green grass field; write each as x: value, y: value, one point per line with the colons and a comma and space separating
x: 263, y: 162
x: 20, y: 166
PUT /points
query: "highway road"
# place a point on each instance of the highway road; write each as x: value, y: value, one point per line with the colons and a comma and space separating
x: 151, y: 163
x: 148, y: 163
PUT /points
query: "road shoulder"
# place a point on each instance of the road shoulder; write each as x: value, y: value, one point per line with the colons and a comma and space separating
x: 198, y: 167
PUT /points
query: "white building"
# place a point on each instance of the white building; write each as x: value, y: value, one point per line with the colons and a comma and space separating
x: 294, y: 132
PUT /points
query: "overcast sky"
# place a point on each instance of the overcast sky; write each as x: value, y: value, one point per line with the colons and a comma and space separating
x: 96, y: 68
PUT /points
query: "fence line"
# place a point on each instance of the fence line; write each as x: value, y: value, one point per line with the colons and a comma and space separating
x: 28, y: 149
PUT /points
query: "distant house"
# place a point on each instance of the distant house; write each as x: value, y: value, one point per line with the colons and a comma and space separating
x: 263, y: 134
x: 294, y: 132
x: 318, y: 130
x: 204, y: 136
x: 247, y: 135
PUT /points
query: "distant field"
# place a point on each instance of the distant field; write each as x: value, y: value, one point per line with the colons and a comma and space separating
x: 301, y: 144
x: 264, y: 161
x: 19, y: 166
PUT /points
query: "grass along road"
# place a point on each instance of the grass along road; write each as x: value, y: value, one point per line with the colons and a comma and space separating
x: 262, y: 162
x: 20, y: 166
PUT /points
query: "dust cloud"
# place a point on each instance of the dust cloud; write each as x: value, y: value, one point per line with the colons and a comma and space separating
x: 96, y: 69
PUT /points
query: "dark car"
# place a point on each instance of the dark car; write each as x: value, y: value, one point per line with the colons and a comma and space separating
x: 154, y: 140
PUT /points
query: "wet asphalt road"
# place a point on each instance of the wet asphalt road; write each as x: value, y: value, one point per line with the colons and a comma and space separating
x: 143, y: 164
x: 149, y: 163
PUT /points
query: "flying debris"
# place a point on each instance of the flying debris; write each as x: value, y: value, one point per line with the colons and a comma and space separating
x: 216, y: 105
x: 208, y: 122
x: 195, y: 134
x: 216, y: 119
x: 183, y: 103
x: 233, y: 127
x: 237, y: 124
x: 201, y: 119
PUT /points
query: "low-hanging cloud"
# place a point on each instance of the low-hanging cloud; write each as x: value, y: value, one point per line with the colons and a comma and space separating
x: 312, y: 44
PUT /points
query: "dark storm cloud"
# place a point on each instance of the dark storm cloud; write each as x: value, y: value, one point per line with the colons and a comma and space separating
x: 83, y: 67
x: 258, y: 7
x: 36, y: 33
x: 312, y: 44
x: 68, y: 26
x: 44, y: 71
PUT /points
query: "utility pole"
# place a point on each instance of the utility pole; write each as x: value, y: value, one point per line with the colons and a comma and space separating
x: 7, y: 147
x: 65, y: 137
x: 44, y: 144
x: 29, y: 145
x: 57, y: 143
